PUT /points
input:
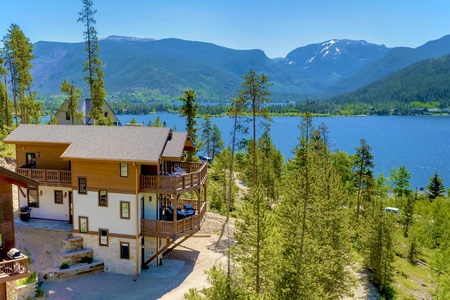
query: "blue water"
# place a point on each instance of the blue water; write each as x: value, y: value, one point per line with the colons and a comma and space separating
x: 422, y: 144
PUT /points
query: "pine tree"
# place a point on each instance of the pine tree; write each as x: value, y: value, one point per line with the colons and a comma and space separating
x: 435, y: 187
x: 73, y: 94
x: 379, y: 251
x: 313, y: 233
x: 18, y: 53
x: 206, y: 135
x: 217, y: 143
x: 254, y: 94
x: 189, y: 110
x: 93, y: 66
x: 363, y: 165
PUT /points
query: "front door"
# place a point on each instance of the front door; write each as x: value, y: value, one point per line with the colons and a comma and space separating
x: 70, y: 208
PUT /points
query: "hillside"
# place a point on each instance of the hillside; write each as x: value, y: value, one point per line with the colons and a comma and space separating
x: 147, y: 69
x: 427, y: 81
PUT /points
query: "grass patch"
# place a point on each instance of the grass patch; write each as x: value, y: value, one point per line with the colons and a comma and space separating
x: 64, y: 265
x: 30, y: 279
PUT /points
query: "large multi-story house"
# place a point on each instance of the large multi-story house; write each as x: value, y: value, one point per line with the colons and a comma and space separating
x: 124, y: 189
x: 65, y: 118
x: 16, y: 268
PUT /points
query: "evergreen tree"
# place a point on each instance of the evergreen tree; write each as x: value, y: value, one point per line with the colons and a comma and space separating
x: 362, y: 165
x: 206, y: 135
x: 18, y: 53
x: 73, y: 94
x: 254, y: 94
x: 217, y: 143
x: 254, y: 244
x: 399, y: 178
x: 313, y: 233
x: 189, y: 110
x: 435, y: 187
x: 379, y: 249
x: 93, y: 66
x: 408, y: 213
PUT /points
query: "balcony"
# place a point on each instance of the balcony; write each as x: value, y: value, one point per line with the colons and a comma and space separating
x: 174, y: 229
x: 47, y: 175
x: 178, y: 183
x: 14, y: 269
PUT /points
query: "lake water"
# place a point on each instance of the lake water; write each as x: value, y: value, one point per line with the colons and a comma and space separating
x: 422, y: 144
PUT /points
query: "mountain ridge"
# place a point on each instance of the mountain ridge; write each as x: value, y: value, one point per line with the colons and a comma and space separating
x: 164, y: 68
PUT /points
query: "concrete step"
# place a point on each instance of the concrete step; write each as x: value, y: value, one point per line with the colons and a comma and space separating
x: 76, y: 256
x: 81, y: 269
x: 73, y: 243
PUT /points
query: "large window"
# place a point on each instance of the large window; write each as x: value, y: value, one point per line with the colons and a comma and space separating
x: 103, y: 237
x: 32, y: 198
x: 82, y: 186
x: 124, y: 209
x: 58, y: 197
x: 102, y: 198
x: 123, y: 170
x: 124, y: 250
x: 83, y: 224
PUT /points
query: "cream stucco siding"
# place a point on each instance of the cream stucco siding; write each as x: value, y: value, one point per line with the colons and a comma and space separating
x: 105, y: 217
x: 48, y: 209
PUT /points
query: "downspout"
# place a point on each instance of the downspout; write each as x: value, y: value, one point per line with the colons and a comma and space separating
x: 138, y: 248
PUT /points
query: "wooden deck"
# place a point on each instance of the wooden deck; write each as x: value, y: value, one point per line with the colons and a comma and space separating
x: 14, y: 269
x: 193, y: 178
x: 47, y: 175
x: 156, y: 228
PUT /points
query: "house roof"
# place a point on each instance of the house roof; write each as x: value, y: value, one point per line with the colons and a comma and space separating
x: 129, y: 143
x: 175, y: 145
x: 17, y: 179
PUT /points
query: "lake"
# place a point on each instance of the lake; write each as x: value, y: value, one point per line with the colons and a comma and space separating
x: 421, y: 143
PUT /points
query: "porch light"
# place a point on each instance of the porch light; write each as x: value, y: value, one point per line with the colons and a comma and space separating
x: 65, y: 194
x: 150, y: 199
x: 40, y: 194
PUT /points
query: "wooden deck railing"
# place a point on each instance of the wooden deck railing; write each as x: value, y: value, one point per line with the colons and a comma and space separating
x: 169, y: 228
x: 194, y: 177
x: 13, y: 269
x: 47, y: 175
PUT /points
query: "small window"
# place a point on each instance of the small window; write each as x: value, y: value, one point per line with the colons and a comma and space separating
x: 103, y: 237
x: 123, y: 170
x: 124, y: 250
x: 102, y: 198
x: 58, y: 197
x: 67, y: 115
x: 82, y: 189
x: 83, y: 224
x: 32, y: 198
x: 124, y: 210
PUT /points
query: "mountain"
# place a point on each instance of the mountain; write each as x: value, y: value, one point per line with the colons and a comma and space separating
x: 148, y: 69
x: 394, y: 60
x: 427, y: 81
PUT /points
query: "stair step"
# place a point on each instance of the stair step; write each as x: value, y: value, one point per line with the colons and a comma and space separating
x: 76, y: 256
x: 73, y: 243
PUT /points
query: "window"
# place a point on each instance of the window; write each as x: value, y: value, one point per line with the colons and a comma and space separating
x: 31, y: 160
x: 124, y: 250
x: 103, y: 237
x: 67, y: 115
x: 82, y: 185
x: 58, y: 197
x: 83, y: 224
x: 124, y: 209
x: 102, y: 198
x: 123, y: 170
x: 32, y: 198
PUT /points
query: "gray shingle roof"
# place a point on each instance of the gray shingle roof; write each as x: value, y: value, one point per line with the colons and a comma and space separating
x: 175, y: 145
x: 139, y: 144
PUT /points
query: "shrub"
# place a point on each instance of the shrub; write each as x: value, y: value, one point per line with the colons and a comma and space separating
x: 64, y: 265
x: 87, y: 259
x: 30, y: 279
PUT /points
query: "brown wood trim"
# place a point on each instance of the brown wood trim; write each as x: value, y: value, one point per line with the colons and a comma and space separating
x: 100, y: 238
x: 129, y: 212
x: 96, y: 189
x: 111, y: 235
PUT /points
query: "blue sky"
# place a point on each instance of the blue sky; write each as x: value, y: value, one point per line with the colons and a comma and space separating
x: 276, y: 27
